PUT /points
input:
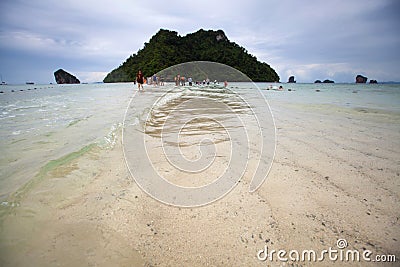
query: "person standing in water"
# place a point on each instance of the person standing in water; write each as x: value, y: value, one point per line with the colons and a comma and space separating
x: 154, y: 78
x: 140, y: 79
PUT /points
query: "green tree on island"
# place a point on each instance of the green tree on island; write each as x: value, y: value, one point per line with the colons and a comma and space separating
x: 166, y: 48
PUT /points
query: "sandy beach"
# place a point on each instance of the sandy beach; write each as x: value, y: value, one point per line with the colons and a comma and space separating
x: 335, y: 176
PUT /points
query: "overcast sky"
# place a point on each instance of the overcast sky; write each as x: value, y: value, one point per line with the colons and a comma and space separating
x: 333, y: 39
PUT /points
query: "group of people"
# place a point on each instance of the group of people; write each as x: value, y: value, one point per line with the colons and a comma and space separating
x: 179, y: 80
x: 157, y: 80
x: 280, y: 88
x: 154, y: 80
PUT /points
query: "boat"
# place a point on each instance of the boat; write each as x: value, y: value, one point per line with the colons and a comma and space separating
x: 2, y: 82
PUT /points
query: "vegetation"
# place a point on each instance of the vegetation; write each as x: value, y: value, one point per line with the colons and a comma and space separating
x: 167, y: 48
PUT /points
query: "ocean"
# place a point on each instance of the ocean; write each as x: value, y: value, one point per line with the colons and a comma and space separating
x: 43, y: 123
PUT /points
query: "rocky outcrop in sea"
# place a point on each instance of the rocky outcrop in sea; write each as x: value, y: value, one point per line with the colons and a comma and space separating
x: 291, y: 79
x: 361, y: 79
x: 63, y: 77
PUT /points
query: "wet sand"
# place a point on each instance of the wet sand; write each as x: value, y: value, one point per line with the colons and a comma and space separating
x: 335, y: 175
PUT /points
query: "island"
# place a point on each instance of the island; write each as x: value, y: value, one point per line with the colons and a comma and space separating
x: 361, y: 79
x: 166, y: 48
x: 325, y: 81
x: 63, y: 77
x: 291, y: 79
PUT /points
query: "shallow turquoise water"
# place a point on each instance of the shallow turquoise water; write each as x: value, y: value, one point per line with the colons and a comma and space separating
x: 51, y: 121
x: 371, y: 96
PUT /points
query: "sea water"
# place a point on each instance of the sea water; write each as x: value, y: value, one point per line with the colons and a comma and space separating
x: 369, y: 96
x: 42, y: 124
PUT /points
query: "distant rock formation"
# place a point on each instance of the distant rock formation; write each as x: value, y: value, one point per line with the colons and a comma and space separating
x: 373, y: 81
x: 62, y: 77
x: 318, y: 81
x: 328, y: 81
x: 361, y: 79
x: 291, y: 79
